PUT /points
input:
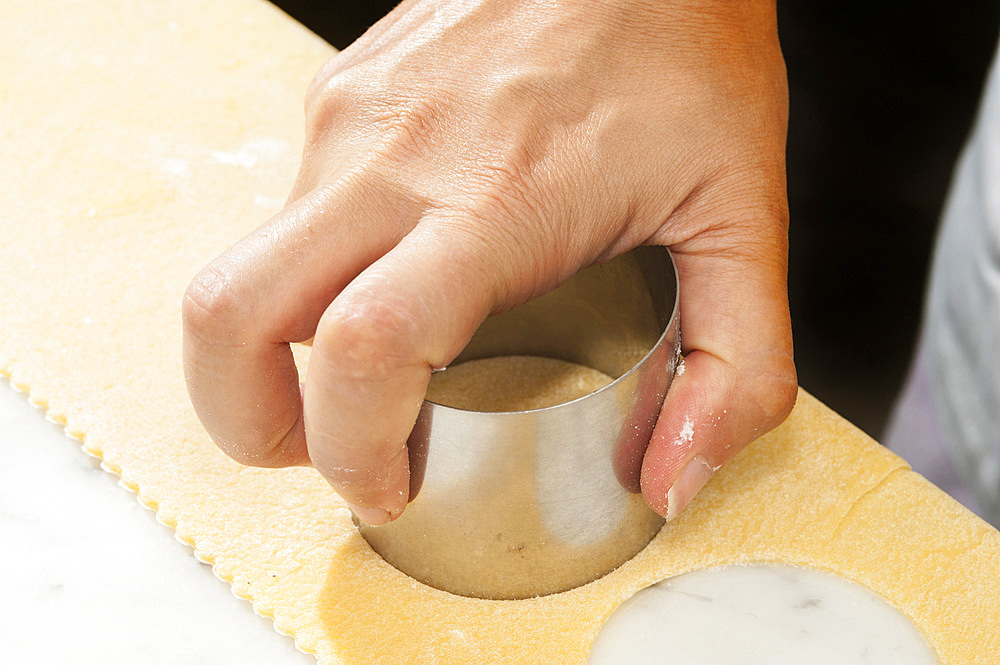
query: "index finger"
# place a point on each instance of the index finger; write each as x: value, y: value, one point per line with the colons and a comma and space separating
x: 242, y: 311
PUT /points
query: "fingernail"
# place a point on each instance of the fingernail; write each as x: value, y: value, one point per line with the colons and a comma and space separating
x: 691, y: 479
x: 371, y: 516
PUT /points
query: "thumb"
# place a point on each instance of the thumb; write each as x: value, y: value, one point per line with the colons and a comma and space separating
x: 739, y: 379
x: 413, y: 310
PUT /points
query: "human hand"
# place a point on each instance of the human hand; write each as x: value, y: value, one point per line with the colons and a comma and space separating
x: 464, y: 157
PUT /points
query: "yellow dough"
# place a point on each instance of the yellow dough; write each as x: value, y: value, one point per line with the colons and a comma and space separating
x: 137, y: 141
x: 513, y: 383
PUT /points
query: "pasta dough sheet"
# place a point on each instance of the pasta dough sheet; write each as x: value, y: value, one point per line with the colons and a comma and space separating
x: 137, y: 141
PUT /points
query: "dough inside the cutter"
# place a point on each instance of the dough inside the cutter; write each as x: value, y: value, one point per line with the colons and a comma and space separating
x: 760, y: 614
x: 513, y: 383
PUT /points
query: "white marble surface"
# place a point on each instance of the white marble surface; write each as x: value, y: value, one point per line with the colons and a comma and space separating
x: 87, y: 575
x: 759, y: 615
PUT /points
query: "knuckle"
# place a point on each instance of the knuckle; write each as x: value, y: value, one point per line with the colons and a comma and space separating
x: 409, y: 125
x: 213, y: 307
x: 398, y: 126
x: 323, y: 76
x: 329, y: 99
x: 368, y: 340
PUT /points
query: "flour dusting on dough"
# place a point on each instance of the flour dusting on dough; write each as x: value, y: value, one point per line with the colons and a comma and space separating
x: 253, y: 153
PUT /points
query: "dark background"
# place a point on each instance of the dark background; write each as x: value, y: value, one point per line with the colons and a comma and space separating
x: 882, y: 97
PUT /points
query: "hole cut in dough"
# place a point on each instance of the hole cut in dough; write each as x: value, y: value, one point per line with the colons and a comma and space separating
x: 759, y: 614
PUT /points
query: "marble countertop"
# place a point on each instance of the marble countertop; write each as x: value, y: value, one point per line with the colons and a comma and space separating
x: 89, y: 576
